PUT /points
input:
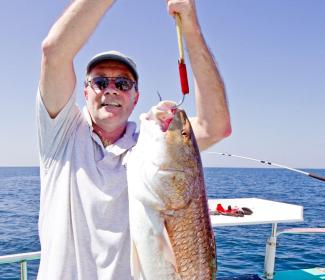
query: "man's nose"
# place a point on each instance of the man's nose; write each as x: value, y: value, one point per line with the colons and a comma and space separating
x: 111, y: 89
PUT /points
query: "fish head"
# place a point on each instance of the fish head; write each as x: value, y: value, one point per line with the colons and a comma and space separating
x: 170, y: 135
x: 170, y: 154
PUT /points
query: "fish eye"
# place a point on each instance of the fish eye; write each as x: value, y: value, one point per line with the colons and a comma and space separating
x: 184, y: 133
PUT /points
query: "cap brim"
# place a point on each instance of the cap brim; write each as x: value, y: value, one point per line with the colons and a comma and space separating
x: 109, y: 56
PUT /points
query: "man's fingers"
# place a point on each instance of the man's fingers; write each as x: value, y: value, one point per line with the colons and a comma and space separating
x: 182, y: 7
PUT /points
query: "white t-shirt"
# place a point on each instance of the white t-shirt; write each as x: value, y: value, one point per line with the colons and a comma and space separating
x: 84, y: 213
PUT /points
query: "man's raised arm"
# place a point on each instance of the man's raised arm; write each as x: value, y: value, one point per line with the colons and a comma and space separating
x: 212, y: 122
x: 65, y: 39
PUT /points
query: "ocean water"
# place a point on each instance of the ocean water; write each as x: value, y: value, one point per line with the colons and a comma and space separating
x: 240, y: 249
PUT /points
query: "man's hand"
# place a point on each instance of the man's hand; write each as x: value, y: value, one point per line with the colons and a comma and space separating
x: 187, y: 11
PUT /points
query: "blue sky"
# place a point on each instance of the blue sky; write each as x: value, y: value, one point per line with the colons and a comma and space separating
x: 271, y: 55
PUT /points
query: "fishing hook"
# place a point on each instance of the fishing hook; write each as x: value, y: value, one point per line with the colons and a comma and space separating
x: 176, y: 105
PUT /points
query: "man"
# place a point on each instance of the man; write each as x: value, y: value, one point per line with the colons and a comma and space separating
x: 83, y: 221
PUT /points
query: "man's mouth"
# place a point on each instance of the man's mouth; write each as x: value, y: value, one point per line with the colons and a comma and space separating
x: 111, y: 103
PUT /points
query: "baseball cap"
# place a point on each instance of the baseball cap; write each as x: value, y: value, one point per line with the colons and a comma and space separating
x: 113, y: 55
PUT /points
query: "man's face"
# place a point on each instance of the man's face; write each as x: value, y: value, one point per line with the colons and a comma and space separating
x: 111, y: 107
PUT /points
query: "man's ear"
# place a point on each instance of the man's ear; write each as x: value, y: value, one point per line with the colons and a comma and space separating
x: 86, y: 93
x: 136, y: 98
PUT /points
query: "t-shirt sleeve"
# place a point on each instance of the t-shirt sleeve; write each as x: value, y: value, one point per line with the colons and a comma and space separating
x: 54, y: 133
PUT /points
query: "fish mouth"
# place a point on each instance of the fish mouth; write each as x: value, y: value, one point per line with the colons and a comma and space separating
x: 181, y: 123
x: 169, y: 117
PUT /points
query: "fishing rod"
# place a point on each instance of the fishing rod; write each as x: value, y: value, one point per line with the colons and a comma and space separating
x: 315, y: 176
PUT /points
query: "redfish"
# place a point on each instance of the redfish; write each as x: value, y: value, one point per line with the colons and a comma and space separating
x: 171, y: 233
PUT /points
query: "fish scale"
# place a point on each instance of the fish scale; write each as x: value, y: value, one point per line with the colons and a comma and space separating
x: 192, y: 241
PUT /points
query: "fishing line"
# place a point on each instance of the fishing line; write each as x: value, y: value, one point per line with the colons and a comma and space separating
x: 315, y: 176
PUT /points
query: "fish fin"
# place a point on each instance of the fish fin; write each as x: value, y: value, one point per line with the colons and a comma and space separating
x: 135, y: 262
x: 167, y: 248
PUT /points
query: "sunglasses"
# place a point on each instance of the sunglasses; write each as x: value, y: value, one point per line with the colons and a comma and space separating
x: 99, y: 84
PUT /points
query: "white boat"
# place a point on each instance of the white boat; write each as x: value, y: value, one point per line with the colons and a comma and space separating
x: 280, y: 213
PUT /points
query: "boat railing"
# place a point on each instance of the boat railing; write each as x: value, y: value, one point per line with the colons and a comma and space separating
x: 21, y: 258
x: 272, y: 242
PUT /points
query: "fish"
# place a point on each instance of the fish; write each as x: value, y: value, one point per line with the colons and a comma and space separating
x: 170, y: 228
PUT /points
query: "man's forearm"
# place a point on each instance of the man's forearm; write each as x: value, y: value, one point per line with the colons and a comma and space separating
x: 207, y: 78
x: 213, y: 120
x: 65, y: 39
x: 74, y: 27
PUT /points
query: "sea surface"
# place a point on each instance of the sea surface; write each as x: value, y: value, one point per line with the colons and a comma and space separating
x: 240, y: 249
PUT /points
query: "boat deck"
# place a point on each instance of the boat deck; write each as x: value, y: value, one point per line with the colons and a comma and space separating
x: 264, y: 212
